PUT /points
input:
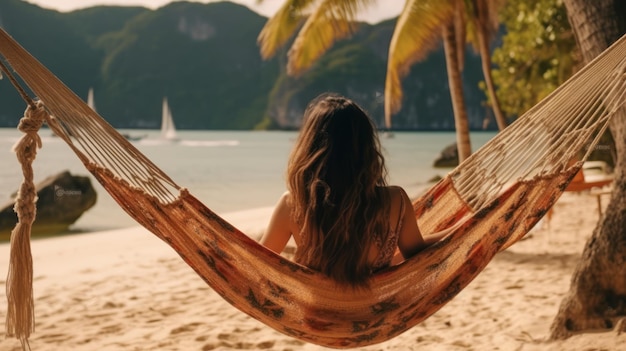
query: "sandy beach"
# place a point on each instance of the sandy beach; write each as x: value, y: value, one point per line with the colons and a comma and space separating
x: 127, y: 290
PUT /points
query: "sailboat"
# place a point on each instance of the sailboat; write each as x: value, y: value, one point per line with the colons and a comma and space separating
x: 90, y: 99
x: 168, y: 129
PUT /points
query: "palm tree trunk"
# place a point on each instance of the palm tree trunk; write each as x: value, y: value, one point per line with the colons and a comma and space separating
x: 597, y: 296
x: 456, y: 92
x: 485, y: 57
x: 482, y: 10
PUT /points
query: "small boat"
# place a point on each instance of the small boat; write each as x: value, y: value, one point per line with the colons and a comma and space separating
x: 133, y: 137
x: 168, y: 129
x: 90, y: 99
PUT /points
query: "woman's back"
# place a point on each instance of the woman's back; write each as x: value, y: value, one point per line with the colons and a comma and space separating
x: 344, y: 218
x: 382, y: 254
x: 384, y: 245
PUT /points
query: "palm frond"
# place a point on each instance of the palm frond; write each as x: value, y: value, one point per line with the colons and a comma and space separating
x: 460, y: 31
x: 330, y: 21
x: 482, y: 16
x: 280, y: 27
x: 492, y: 14
x: 417, y: 33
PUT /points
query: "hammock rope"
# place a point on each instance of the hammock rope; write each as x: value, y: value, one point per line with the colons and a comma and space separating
x: 20, y: 320
x: 501, y: 192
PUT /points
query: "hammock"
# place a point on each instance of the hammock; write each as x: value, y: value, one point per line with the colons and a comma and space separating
x: 502, y: 190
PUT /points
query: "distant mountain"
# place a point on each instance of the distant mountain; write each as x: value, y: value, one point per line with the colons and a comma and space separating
x: 96, y: 21
x: 52, y: 40
x: 205, y: 59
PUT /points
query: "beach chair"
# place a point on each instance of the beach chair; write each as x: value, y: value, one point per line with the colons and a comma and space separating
x: 594, y: 179
x: 593, y: 174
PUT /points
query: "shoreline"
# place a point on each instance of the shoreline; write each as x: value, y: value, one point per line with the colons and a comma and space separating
x: 87, y: 225
x: 124, y: 289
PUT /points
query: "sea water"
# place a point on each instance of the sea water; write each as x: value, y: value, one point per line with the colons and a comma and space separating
x: 226, y: 170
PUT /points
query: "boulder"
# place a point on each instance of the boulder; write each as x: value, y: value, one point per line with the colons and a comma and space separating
x: 449, y: 157
x: 62, y: 199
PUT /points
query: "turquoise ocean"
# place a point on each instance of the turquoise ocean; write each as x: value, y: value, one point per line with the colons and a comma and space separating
x: 227, y: 170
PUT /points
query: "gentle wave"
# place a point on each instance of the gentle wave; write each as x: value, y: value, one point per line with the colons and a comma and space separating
x: 190, y: 143
x: 210, y: 143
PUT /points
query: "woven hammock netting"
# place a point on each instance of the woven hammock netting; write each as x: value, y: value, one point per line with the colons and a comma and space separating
x: 500, y: 192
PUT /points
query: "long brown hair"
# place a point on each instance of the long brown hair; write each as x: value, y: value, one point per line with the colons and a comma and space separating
x: 335, y: 175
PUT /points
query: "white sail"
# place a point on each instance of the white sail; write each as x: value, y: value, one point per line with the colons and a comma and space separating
x: 90, y: 99
x: 168, y: 129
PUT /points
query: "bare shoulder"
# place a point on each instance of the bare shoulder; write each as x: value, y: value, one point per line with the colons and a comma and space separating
x: 396, y: 192
x: 285, y: 207
x: 397, y: 200
x: 284, y: 200
x: 282, y: 209
x: 280, y: 227
x: 286, y: 196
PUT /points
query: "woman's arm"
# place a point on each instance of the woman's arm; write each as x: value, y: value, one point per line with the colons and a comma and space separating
x: 434, y: 237
x: 410, y: 239
x: 278, y: 231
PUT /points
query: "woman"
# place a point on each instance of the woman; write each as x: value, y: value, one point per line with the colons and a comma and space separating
x: 344, y: 218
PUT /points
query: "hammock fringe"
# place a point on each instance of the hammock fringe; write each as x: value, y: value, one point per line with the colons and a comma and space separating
x: 20, y: 320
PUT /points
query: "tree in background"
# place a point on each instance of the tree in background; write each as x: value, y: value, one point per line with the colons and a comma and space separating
x: 420, y: 28
x: 597, y: 296
x: 537, y: 54
x: 486, y: 20
x: 325, y: 22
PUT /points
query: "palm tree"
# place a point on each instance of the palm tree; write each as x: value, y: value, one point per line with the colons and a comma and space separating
x: 485, y: 18
x: 420, y: 27
x: 325, y: 22
x: 417, y: 33
x: 596, y: 298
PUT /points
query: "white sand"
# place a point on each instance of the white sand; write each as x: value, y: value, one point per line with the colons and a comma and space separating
x: 127, y: 290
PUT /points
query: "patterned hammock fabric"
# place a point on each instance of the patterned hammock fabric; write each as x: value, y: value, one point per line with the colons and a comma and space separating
x: 500, y: 193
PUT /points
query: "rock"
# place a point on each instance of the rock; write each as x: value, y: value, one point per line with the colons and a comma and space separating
x: 62, y: 199
x: 435, y: 178
x: 449, y: 157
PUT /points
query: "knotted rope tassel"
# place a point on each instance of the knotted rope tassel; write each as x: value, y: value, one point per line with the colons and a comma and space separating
x: 21, y: 309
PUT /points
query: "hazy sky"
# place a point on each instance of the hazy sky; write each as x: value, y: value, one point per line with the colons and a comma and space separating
x: 390, y: 8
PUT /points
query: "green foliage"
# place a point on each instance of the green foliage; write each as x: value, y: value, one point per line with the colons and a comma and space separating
x: 537, y: 54
x: 93, y: 22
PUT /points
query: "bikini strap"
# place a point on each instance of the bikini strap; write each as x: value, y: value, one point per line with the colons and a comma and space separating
x: 400, y: 215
